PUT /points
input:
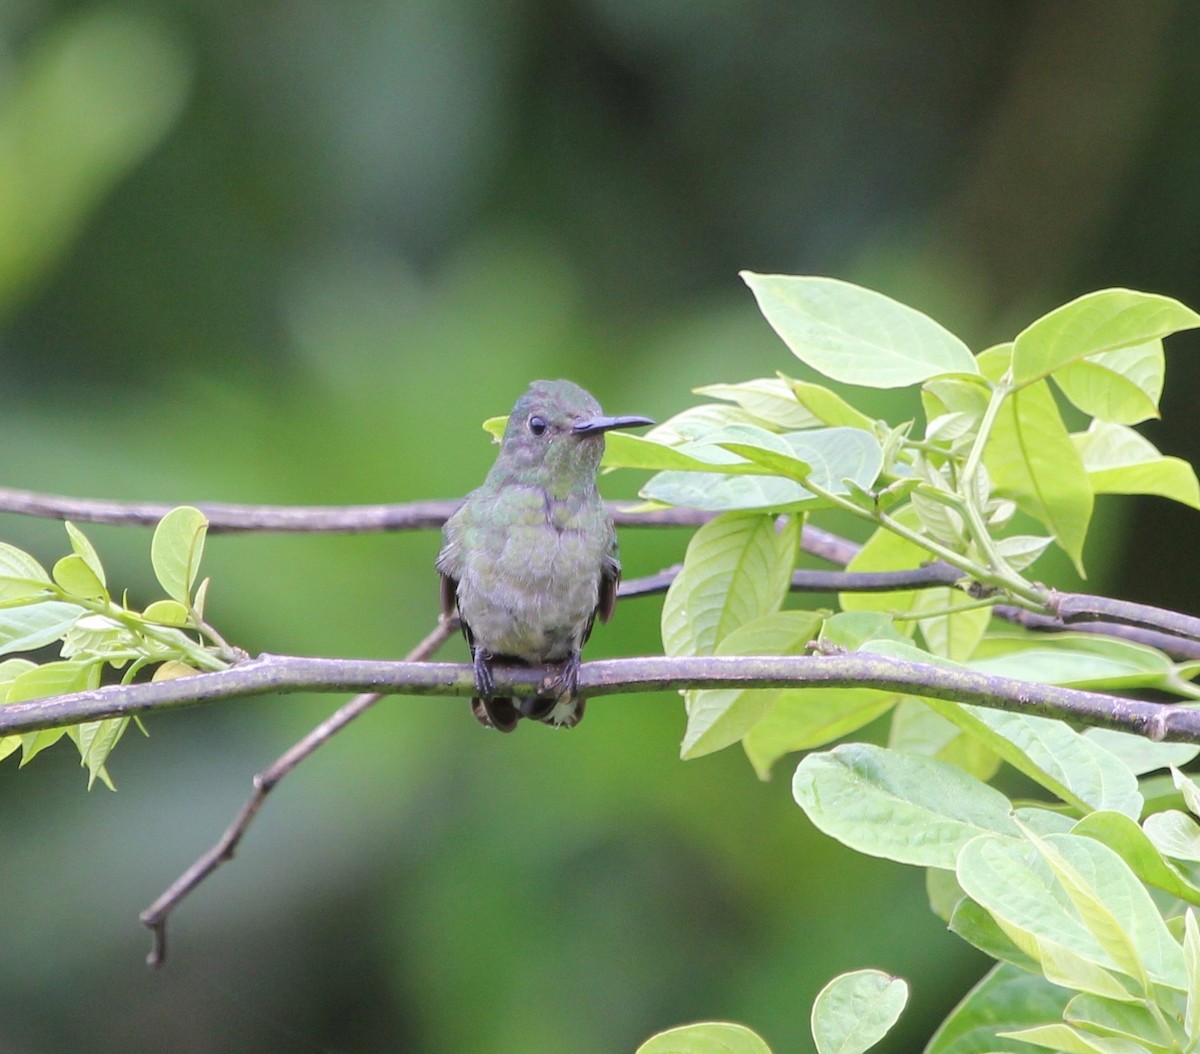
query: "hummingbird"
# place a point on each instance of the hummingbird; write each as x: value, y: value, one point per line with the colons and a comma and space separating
x: 529, y: 560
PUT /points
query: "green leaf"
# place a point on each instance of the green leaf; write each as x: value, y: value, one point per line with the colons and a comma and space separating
x: 904, y: 807
x: 176, y: 550
x: 1078, y: 660
x: 916, y: 729
x: 1063, y: 1039
x: 1012, y: 883
x: 737, y: 568
x: 1007, y: 999
x: 721, y: 716
x: 166, y: 613
x: 803, y: 718
x: 769, y: 399
x: 1088, y: 902
x: 1115, y: 907
x: 1139, y: 754
x: 1191, y: 957
x: 1123, y: 1021
x: 827, y: 406
x: 1122, y: 386
x: 855, y: 1011
x: 709, y: 1037
x: 974, y: 925
x: 1031, y: 459
x: 1106, y: 320
x: 84, y: 548
x: 77, y: 579
x: 854, y: 335
x: 1120, y: 461
x: 1145, y: 858
x: 827, y: 456
x: 20, y: 574
x: 1075, y: 769
x: 35, y: 625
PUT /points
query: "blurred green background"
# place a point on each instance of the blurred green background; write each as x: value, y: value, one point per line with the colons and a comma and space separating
x: 296, y: 251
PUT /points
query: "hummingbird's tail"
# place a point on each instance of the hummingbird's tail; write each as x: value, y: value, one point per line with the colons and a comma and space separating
x: 499, y: 714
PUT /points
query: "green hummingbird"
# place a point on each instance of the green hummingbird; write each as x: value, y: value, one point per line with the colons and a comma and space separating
x: 530, y: 557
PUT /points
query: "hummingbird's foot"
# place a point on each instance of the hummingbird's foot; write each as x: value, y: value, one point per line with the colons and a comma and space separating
x: 565, y: 684
x: 481, y: 661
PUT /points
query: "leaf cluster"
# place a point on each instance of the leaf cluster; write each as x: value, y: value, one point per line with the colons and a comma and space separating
x: 1085, y: 897
x: 71, y: 609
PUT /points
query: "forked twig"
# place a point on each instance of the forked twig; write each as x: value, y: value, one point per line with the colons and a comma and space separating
x: 155, y: 916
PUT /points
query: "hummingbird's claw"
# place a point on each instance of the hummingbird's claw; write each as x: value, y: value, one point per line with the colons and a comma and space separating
x: 484, y: 685
x: 565, y: 684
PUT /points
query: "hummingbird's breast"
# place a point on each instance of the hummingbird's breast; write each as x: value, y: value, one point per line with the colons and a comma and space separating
x: 530, y: 589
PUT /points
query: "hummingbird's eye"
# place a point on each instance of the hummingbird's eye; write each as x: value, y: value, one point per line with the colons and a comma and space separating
x: 537, y: 425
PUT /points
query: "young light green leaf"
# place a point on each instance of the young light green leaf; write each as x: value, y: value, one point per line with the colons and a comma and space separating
x: 49, y: 679
x: 801, y: 719
x: 77, y: 579
x: 1187, y: 787
x: 1120, y: 461
x: 1007, y: 999
x: 827, y: 456
x: 624, y: 450
x: 36, y: 625
x: 96, y: 740
x: 854, y: 335
x: 769, y: 399
x: 1174, y: 834
x: 20, y: 574
x: 956, y: 629
x: 827, y: 406
x: 737, y: 568
x: 176, y: 550
x: 904, y: 807
x: 1122, y: 386
x: 720, y: 716
x: 166, y: 613
x: 84, y: 548
x: 1021, y: 550
x: 709, y: 1037
x: 1106, y: 320
x: 1032, y: 460
x: 856, y: 1010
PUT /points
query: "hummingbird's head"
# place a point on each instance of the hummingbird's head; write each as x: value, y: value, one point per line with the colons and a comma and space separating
x: 555, y: 437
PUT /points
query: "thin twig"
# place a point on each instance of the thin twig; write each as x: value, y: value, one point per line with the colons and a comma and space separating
x: 155, y: 916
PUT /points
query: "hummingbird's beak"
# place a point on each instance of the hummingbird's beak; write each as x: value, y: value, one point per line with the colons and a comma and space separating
x: 596, y: 425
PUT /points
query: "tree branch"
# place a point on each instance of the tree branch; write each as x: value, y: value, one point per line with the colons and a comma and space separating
x: 285, y: 674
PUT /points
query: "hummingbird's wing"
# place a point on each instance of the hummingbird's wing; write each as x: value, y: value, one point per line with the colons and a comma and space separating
x: 610, y: 578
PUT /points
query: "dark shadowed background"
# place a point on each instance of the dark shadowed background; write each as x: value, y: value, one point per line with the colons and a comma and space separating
x: 296, y: 251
